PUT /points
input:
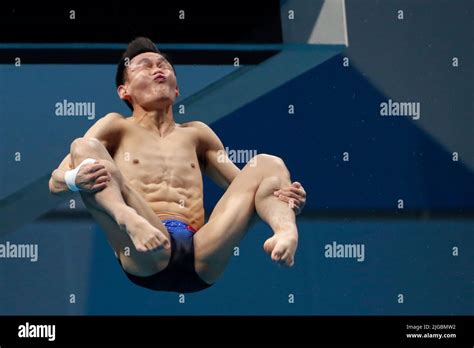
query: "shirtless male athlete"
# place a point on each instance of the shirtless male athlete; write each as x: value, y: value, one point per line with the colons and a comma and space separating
x: 141, y: 179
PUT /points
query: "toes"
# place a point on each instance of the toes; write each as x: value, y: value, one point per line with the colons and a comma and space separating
x: 268, y: 245
x: 153, y: 244
x: 276, y: 255
x: 157, y: 244
x: 148, y: 246
x: 141, y: 248
x: 163, y: 241
x: 278, y: 252
x: 287, y: 259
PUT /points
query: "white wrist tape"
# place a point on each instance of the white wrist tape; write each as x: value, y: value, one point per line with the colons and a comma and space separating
x: 70, y: 175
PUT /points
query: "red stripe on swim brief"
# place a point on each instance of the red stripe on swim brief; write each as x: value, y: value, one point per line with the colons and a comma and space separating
x: 191, y: 228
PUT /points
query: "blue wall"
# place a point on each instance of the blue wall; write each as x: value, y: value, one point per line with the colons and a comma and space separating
x: 408, y: 257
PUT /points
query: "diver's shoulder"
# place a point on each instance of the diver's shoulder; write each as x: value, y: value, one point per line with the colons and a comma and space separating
x: 114, y: 119
x: 195, y: 124
x: 113, y: 116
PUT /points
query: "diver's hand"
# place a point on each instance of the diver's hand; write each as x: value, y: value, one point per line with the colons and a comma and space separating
x: 294, y: 195
x: 92, y: 177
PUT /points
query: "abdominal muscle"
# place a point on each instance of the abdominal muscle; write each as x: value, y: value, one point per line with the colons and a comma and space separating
x: 173, y: 203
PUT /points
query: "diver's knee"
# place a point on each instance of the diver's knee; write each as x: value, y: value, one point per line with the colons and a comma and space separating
x: 268, y: 161
x: 85, y: 147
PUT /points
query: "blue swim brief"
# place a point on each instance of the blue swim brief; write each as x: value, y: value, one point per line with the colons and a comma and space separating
x: 180, y: 274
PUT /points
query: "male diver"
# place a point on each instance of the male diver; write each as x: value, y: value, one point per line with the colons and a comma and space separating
x: 141, y: 179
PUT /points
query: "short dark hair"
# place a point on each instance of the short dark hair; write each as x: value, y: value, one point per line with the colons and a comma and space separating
x: 135, y: 47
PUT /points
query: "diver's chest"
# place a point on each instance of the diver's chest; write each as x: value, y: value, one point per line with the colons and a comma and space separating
x: 143, y: 148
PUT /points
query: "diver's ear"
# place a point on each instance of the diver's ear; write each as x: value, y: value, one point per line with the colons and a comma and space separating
x: 177, y: 91
x: 123, y: 93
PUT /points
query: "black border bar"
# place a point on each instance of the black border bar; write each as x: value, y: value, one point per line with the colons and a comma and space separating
x: 139, y: 330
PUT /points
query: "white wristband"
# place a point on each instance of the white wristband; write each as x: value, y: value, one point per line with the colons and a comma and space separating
x: 70, y: 175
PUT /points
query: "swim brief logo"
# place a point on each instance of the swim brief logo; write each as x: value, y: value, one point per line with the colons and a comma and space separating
x: 67, y: 108
x: 345, y: 251
x: 237, y: 156
x: 37, y: 331
x: 19, y: 251
x: 393, y: 108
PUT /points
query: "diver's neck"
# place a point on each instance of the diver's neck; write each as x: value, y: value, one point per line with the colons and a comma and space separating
x: 160, y: 120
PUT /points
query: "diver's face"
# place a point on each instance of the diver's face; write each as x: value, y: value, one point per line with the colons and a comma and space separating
x: 150, y: 81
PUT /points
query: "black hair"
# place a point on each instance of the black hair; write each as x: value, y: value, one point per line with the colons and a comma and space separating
x: 135, y: 47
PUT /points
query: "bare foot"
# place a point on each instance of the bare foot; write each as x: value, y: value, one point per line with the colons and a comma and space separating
x: 282, y: 247
x: 144, y: 236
